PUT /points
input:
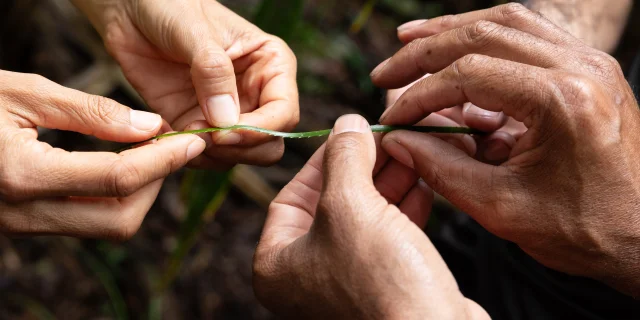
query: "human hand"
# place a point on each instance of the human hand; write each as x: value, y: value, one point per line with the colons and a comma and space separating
x: 339, y: 241
x: 44, y: 190
x: 569, y: 193
x: 493, y: 147
x: 597, y: 23
x: 199, y: 65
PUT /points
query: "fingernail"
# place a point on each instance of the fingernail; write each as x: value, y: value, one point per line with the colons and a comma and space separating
x: 351, y: 123
x: 411, y: 24
x: 206, y: 137
x: 145, y: 121
x: 379, y: 67
x: 497, y: 150
x: 223, y: 111
x: 479, y: 112
x: 385, y: 113
x: 227, y: 137
x: 398, y: 152
x: 195, y: 148
x: 424, y: 186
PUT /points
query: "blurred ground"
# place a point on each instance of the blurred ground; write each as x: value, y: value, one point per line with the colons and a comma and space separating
x: 53, y: 277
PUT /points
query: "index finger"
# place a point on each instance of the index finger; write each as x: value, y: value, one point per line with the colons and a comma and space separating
x: 521, y: 91
x: 36, y: 170
x: 513, y: 15
x: 270, y: 100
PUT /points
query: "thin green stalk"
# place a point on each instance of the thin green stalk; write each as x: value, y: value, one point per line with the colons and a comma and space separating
x: 311, y: 134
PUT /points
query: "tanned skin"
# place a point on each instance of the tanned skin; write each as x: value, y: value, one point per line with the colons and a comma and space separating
x: 599, y: 23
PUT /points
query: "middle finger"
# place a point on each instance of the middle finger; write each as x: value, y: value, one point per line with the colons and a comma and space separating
x: 432, y: 54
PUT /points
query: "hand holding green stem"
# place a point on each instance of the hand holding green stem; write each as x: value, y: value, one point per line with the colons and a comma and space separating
x: 319, y: 133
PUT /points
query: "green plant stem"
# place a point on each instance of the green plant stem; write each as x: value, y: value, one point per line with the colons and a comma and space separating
x: 311, y: 134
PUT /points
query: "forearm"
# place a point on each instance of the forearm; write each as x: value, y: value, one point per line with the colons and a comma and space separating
x: 599, y: 23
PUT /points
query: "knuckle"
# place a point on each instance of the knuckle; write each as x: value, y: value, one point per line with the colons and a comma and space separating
x: 281, y: 46
x: 472, y: 59
x: 577, y: 91
x: 123, y: 229
x: 342, y: 147
x: 415, y: 51
x: 580, y: 97
x: 102, y: 109
x: 448, y: 21
x: 514, y: 11
x: 602, y: 65
x: 122, y: 179
x: 466, y: 66
x: 215, y: 67
x: 479, y: 33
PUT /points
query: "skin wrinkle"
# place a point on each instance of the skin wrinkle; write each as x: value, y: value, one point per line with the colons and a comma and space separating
x: 418, y: 60
x: 308, y: 186
x: 187, y: 86
x: 336, y: 266
x: 36, y: 101
x: 479, y: 35
x: 572, y: 131
x: 18, y: 102
x: 184, y: 113
x: 227, y: 25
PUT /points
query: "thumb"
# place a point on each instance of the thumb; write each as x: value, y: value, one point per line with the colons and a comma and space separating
x: 350, y: 154
x: 214, y: 80
x: 472, y: 186
x: 56, y: 107
x: 349, y: 159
